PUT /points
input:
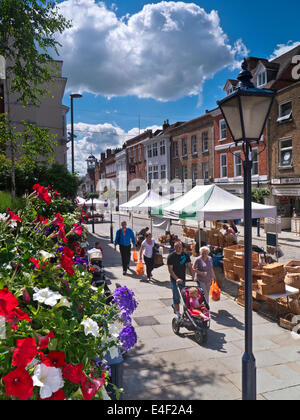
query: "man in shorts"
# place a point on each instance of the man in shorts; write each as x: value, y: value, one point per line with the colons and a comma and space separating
x: 177, y: 263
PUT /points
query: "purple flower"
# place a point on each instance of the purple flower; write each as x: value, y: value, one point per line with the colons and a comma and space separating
x: 124, y: 297
x: 80, y: 261
x: 128, y: 337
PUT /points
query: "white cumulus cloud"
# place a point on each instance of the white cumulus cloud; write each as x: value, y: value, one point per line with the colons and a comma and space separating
x: 97, y: 138
x: 165, y: 52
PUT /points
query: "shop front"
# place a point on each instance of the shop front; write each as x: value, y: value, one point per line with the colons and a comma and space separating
x: 287, y: 200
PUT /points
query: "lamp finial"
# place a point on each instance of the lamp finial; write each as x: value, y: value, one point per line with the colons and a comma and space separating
x: 245, y: 76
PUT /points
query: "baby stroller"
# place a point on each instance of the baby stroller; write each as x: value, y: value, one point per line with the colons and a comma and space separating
x: 96, y: 268
x: 189, y: 319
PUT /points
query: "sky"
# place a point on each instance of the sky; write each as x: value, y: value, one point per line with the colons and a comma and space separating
x: 138, y: 62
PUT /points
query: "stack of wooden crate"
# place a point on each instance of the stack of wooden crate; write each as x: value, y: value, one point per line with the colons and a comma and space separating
x: 272, y: 279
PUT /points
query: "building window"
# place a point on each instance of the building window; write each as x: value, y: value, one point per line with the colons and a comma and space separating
x: 139, y: 153
x: 175, y: 149
x: 176, y: 172
x: 162, y: 148
x: 194, y: 172
x: 237, y: 164
x: 184, y: 147
x: 155, y: 153
x: 163, y: 173
x: 185, y: 172
x: 155, y: 172
x: 285, y: 153
x: 262, y: 78
x: 205, y: 141
x: 223, y: 165
x: 222, y: 129
x: 205, y: 171
x: 149, y: 149
x: 194, y: 145
x: 254, y: 158
x: 284, y: 111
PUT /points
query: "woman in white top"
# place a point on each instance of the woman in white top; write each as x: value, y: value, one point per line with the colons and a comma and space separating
x: 147, y: 250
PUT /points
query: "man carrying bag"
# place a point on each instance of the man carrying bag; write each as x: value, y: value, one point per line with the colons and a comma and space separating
x: 124, y: 237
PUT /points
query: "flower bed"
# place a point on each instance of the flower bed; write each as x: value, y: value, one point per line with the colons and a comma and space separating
x: 53, y: 324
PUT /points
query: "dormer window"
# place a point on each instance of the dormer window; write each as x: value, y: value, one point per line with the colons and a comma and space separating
x: 262, y: 78
x: 229, y: 90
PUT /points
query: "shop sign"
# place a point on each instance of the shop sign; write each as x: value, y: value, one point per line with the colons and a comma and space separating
x: 290, y: 180
x: 275, y: 181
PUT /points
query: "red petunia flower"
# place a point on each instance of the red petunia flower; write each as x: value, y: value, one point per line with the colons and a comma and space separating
x: 24, y: 353
x: 42, y: 193
x: 7, y: 302
x: 56, y: 396
x: 67, y: 261
x: 73, y: 373
x: 77, y: 229
x: 90, y: 386
x: 37, y: 263
x: 43, y: 341
x: 14, y: 216
x: 18, y: 383
x: 15, y: 316
x: 55, y: 359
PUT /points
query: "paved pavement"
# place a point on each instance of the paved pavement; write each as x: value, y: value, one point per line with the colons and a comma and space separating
x: 163, y: 366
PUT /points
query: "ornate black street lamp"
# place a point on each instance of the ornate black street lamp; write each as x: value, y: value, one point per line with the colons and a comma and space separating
x: 91, y: 167
x: 73, y: 96
x: 246, y: 112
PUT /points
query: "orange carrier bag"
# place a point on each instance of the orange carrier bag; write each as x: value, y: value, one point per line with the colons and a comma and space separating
x: 140, y: 268
x: 215, y: 292
x: 135, y: 256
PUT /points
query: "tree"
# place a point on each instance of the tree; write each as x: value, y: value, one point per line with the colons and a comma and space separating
x: 259, y: 195
x: 27, y: 34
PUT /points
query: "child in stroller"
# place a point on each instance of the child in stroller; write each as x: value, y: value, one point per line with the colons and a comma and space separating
x: 196, y: 316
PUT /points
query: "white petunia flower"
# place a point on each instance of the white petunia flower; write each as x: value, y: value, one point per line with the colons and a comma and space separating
x: 48, y: 378
x: 45, y: 255
x: 114, y: 352
x: 90, y: 327
x: 3, y: 217
x: 114, y: 331
x: 46, y: 296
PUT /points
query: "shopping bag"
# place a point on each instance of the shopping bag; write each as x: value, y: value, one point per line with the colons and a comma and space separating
x: 140, y: 269
x: 135, y: 256
x: 215, y: 292
x: 158, y: 260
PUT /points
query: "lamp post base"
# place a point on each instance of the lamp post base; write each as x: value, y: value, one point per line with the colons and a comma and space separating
x: 249, y: 377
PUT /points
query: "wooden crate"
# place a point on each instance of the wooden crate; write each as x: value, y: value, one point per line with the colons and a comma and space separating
x: 292, y: 266
x: 279, y: 307
x: 271, y: 279
x: 229, y: 252
x: 238, y: 270
x: 270, y: 289
x: 230, y: 275
x: 274, y: 268
x: 286, y: 322
x: 293, y: 280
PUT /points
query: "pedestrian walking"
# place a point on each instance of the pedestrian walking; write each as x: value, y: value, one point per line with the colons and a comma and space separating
x: 177, y: 263
x: 204, y: 269
x: 124, y: 238
x: 147, y: 249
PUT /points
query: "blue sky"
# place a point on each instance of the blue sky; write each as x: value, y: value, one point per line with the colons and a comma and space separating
x: 138, y: 62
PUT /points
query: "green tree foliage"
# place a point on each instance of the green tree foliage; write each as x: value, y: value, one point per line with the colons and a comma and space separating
x: 259, y: 195
x: 27, y: 33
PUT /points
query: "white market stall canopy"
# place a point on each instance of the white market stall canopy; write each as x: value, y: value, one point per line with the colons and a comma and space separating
x: 145, y: 201
x: 210, y: 202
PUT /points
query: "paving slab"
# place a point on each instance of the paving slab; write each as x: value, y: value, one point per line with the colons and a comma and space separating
x: 163, y: 366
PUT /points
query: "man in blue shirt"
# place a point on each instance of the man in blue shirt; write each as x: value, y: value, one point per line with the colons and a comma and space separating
x: 124, y: 237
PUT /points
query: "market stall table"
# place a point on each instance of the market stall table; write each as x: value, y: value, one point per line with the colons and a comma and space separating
x: 289, y: 292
